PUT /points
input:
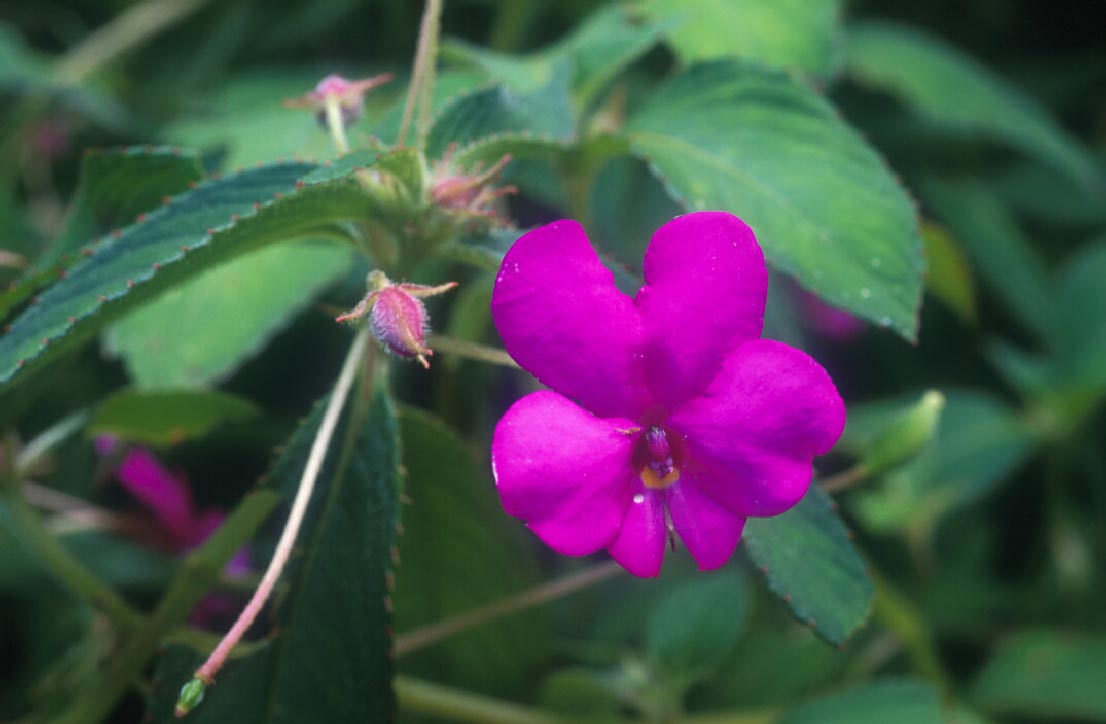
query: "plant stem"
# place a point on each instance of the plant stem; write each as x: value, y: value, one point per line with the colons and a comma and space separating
x: 901, y: 617
x: 28, y: 528
x: 421, y: 90
x: 470, y: 350
x: 844, y: 479
x: 200, y: 571
x: 424, y: 697
x: 319, y: 448
x: 455, y: 705
x: 335, y: 123
x: 428, y: 635
x: 135, y: 26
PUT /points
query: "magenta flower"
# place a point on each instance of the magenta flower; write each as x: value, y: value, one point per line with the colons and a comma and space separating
x: 667, y: 410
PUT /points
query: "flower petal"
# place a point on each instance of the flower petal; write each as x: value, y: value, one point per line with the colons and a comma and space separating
x: 563, y: 471
x: 164, y: 493
x: 709, y: 529
x: 753, y: 434
x: 562, y: 318
x: 705, y: 289
x: 639, y: 547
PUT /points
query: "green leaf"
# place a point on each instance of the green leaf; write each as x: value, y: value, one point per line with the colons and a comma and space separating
x: 766, y: 147
x: 116, y: 185
x: 1045, y: 194
x: 803, y: 35
x: 597, y: 50
x: 901, y: 701
x: 211, y: 224
x: 694, y: 628
x: 455, y: 530
x: 1045, y: 674
x: 772, y: 666
x: 948, y: 88
x: 1001, y: 254
x: 166, y: 418
x: 809, y: 561
x: 173, y: 343
x: 543, y: 115
x: 1079, y: 337
x: 308, y: 671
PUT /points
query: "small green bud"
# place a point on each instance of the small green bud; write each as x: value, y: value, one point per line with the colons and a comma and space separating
x: 191, y: 694
x: 905, y: 435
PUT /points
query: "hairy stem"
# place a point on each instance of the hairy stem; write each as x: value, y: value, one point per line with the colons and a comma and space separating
x: 420, y: 93
x: 319, y: 448
x: 428, y: 635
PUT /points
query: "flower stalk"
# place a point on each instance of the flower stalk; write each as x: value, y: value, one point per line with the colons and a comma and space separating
x: 420, y: 94
x: 335, y: 123
x: 205, y: 675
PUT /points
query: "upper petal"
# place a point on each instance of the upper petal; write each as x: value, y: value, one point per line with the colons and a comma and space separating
x: 752, y: 435
x: 563, y: 471
x: 562, y: 318
x: 705, y: 290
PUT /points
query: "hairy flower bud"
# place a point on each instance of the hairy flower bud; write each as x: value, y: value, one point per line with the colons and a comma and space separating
x: 397, y: 315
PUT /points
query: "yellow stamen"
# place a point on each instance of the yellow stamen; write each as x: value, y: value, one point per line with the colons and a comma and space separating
x: 653, y: 481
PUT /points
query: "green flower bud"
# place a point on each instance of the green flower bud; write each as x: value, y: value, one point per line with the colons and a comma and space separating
x: 905, y: 435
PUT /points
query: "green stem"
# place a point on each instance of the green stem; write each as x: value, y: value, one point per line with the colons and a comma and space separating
x: 455, y: 705
x: 421, y: 90
x: 199, y: 573
x: 28, y: 527
x: 844, y: 479
x: 335, y: 123
x: 550, y: 590
x: 135, y: 26
x: 424, y: 697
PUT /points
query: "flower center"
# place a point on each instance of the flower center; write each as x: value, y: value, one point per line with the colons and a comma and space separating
x: 657, y: 464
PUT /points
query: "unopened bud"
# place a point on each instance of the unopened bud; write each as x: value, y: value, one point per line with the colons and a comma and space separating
x: 905, y: 435
x: 397, y: 315
x: 191, y: 694
x: 469, y: 192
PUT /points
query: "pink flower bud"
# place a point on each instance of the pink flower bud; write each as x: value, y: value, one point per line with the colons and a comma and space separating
x: 350, y: 95
x: 397, y: 315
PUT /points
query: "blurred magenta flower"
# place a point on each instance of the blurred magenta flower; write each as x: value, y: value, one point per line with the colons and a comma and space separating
x: 667, y: 411
x: 830, y: 322
x: 183, y: 527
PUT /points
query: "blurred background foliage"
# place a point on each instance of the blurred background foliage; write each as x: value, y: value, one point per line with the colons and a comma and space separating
x: 987, y: 542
